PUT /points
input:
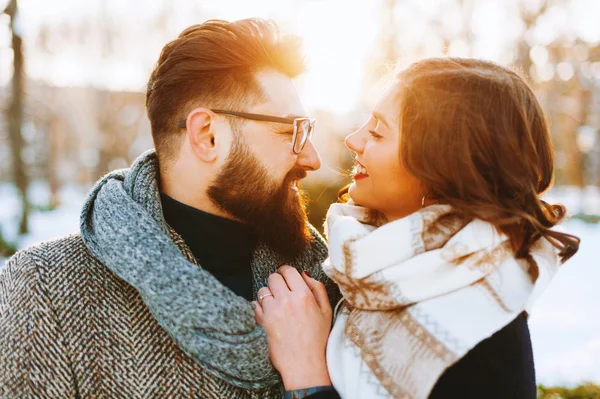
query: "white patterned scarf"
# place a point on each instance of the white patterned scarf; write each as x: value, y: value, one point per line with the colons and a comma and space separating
x: 419, y: 293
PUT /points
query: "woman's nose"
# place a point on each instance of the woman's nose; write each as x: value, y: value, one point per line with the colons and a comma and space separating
x: 353, y: 142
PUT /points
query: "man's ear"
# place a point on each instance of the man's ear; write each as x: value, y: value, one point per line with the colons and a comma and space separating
x: 201, y: 135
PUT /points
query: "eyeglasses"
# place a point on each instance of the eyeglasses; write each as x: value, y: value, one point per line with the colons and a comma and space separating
x: 303, y: 126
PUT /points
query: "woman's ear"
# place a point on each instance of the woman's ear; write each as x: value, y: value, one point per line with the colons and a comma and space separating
x: 201, y: 134
x: 428, y: 196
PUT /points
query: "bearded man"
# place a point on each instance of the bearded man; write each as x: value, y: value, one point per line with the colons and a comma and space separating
x: 152, y: 298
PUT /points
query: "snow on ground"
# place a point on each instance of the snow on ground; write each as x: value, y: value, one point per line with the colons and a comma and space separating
x: 564, y: 323
x: 44, y: 225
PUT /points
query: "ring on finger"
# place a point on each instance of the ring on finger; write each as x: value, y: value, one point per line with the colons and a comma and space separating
x: 263, y: 296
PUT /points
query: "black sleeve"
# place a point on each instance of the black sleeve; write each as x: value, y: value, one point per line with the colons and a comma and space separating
x: 324, y: 395
x: 498, y: 367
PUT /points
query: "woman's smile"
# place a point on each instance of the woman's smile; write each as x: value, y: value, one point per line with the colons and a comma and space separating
x: 360, y: 172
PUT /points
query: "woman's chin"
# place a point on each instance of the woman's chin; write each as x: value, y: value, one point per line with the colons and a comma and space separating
x: 352, y: 191
x: 355, y: 195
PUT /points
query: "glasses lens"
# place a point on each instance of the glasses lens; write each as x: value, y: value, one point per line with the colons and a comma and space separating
x: 302, y: 132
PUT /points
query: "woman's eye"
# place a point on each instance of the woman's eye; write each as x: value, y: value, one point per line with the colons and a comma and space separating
x: 375, y: 135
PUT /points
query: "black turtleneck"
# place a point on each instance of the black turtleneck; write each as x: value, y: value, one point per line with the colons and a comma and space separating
x: 223, y: 247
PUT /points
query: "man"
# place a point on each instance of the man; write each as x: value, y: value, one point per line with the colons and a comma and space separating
x: 152, y: 298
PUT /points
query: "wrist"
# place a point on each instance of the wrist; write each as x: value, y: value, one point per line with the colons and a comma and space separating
x: 306, y: 378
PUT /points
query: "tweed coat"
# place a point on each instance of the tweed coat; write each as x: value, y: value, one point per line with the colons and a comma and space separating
x: 70, y: 328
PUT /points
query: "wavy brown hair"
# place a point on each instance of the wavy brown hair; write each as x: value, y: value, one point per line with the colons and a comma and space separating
x: 474, y: 133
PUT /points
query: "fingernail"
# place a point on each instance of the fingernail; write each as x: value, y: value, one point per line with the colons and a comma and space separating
x: 308, y: 274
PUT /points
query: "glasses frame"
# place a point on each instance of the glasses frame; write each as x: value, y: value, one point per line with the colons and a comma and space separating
x: 269, y: 118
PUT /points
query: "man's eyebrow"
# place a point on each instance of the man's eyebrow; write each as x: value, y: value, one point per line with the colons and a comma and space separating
x: 293, y: 116
x: 380, y: 118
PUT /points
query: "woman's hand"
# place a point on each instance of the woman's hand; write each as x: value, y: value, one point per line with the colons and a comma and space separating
x: 295, y: 312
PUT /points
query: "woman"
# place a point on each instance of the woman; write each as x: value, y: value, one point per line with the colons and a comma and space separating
x: 442, y: 248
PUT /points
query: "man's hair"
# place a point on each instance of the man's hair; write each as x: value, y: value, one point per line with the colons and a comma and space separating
x: 214, y: 65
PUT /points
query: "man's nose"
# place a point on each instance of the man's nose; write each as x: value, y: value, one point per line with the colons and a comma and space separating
x: 309, y: 158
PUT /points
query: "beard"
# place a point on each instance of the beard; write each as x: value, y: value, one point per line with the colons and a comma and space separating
x: 245, y: 190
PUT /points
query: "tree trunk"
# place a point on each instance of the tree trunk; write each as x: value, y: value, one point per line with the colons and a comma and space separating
x: 52, y: 129
x: 15, y: 116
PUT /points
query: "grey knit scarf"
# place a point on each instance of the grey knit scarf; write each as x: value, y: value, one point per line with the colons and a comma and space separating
x: 122, y: 225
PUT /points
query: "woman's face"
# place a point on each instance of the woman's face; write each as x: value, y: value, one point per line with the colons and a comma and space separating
x: 380, y: 180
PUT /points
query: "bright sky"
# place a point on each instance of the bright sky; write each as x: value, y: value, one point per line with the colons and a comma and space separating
x: 338, y: 35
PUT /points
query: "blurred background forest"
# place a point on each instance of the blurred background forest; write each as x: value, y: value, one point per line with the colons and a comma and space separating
x: 73, y: 75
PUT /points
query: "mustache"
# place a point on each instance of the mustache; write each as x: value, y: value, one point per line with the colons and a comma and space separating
x: 297, y: 174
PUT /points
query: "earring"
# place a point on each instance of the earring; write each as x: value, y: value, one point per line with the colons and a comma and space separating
x: 423, y: 201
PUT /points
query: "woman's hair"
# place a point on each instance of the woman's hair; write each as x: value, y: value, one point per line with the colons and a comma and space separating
x: 474, y: 133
